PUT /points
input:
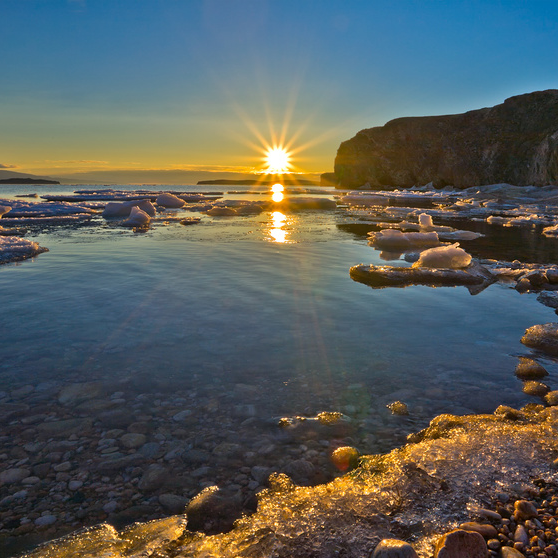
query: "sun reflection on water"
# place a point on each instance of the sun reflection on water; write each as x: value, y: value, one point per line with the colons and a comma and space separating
x: 277, y: 195
x: 277, y: 233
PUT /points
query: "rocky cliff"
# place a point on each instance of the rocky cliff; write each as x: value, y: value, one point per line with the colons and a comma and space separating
x: 515, y: 142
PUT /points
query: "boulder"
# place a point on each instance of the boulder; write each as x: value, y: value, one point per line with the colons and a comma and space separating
x: 394, y: 548
x: 461, y: 544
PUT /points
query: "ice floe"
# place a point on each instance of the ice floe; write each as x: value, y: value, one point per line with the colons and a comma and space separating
x: 20, y: 208
x: 395, y: 240
x: 14, y: 248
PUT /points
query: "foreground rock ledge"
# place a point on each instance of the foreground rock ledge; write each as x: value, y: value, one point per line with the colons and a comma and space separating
x: 422, y: 489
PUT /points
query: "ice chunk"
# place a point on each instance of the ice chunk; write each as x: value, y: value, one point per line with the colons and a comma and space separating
x: 451, y: 257
x: 169, y: 200
x: 392, y: 240
x: 123, y: 209
x: 13, y: 249
x: 425, y: 221
x: 138, y: 218
x: 4, y: 209
x: 552, y: 232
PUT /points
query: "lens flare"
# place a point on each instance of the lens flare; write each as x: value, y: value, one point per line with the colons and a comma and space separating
x: 278, y: 160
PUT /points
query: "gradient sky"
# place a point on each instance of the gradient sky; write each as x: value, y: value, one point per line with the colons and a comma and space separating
x: 205, y: 84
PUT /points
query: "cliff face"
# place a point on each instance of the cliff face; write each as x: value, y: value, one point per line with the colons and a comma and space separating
x: 515, y: 142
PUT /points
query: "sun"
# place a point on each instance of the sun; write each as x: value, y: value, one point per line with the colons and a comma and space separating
x: 278, y: 160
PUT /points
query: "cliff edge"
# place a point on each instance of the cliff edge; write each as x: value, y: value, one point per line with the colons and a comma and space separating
x: 515, y: 143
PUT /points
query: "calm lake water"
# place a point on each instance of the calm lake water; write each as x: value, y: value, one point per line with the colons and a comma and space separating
x: 223, y: 301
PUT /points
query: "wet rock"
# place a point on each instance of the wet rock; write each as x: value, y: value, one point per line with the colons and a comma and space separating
x: 551, y: 398
x: 182, y: 415
x: 543, y: 337
x: 538, y: 389
x: 74, y: 485
x: 301, y: 471
x: 45, y: 520
x: 115, y: 419
x: 77, y: 393
x: 394, y: 548
x: 485, y: 529
x: 461, y: 544
x: 154, y: 477
x: 398, y: 408
x: 260, y: 474
x: 549, y: 298
x: 133, y: 440
x: 525, y: 509
x: 528, y: 369
x: 520, y: 535
x: 345, y: 458
x: 510, y: 552
x: 15, y: 475
x: 173, y: 503
x: 118, y: 462
x: 9, y: 411
x: 65, y: 427
x: 151, y: 450
x: 213, y: 511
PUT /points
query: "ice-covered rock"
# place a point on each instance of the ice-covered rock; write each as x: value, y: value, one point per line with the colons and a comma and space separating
x: 124, y: 209
x: 138, y: 218
x: 14, y: 248
x: 170, y: 201
x: 542, y: 337
x: 449, y: 257
x: 475, y: 277
x: 395, y: 240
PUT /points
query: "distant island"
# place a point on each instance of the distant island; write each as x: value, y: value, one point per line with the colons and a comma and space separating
x: 267, y: 182
x: 28, y: 181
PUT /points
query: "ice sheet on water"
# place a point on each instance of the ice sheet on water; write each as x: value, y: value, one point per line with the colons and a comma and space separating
x: 20, y: 208
x: 392, y: 239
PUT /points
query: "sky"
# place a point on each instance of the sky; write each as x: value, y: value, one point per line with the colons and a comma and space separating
x: 208, y: 85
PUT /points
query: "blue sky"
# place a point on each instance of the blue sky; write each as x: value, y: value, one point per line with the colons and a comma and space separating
x: 168, y: 84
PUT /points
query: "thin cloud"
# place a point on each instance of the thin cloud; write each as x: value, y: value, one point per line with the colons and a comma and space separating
x: 2, y: 166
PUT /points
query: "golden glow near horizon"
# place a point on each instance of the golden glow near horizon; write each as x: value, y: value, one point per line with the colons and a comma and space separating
x: 278, y: 160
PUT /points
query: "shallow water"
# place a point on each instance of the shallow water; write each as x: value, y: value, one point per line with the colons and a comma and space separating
x: 223, y: 300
